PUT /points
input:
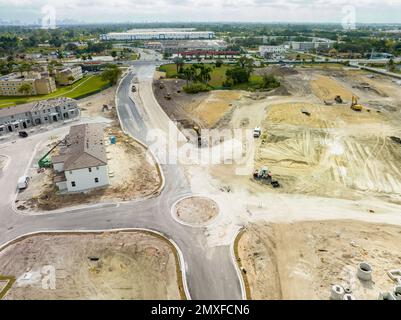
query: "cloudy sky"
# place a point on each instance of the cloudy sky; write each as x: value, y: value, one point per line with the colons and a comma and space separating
x: 366, y: 11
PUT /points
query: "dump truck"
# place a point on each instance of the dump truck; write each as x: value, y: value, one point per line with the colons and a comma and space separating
x: 354, y: 104
x: 133, y: 88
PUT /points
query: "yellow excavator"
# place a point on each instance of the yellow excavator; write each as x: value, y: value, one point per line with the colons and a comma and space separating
x: 354, y: 104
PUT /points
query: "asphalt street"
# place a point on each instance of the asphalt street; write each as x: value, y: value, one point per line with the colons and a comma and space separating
x: 210, y: 271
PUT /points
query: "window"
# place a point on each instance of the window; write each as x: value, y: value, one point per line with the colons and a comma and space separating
x: 70, y: 172
x: 73, y: 183
x: 97, y: 168
x: 96, y: 180
x: 45, y: 118
x: 90, y: 169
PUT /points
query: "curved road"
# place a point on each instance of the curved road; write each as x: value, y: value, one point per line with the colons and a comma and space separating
x: 210, y: 271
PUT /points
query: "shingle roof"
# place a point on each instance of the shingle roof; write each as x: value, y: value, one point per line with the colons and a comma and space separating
x: 85, y: 148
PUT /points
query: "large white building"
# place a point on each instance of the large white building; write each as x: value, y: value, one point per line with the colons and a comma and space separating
x: 270, y: 51
x: 82, y: 162
x: 158, y: 34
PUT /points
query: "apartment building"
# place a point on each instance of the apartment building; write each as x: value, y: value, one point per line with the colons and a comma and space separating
x: 21, y: 117
x: 67, y: 76
x: 82, y: 162
x: 39, y: 83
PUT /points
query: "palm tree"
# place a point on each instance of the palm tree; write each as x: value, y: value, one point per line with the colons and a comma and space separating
x: 187, y: 74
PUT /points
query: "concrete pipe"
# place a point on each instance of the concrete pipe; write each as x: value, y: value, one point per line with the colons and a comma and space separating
x: 386, y: 296
x: 364, y: 272
x: 337, y: 292
x: 397, y: 292
x: 348, y: 296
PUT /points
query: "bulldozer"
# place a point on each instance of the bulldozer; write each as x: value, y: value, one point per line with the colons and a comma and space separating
x: 167, y: 96
x: 264, y: 175
x: 354, y: 104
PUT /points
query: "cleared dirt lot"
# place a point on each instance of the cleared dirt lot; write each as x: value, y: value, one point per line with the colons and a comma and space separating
x: 133, y: 174
x: 206, y: 110
x: 112, y: 265
x: 303, y: 260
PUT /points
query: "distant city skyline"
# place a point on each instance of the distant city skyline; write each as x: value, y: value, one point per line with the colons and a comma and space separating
x: 140, y: 11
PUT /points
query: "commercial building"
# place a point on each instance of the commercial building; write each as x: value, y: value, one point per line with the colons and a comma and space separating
x: 158, y: 34
x: 68, y: 75
x: 39, y: 83
x: 315, y: 43
x: 82, y: 162
x: 271, y: 51
x: 24, y: 116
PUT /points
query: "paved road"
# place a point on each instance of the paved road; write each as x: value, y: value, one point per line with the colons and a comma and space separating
x: 210, y: 271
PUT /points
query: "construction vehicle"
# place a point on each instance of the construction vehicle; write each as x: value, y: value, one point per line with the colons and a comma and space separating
x: 354, y: 104
x: 264, y: 175
x: 45, y: 162
x: 257, y: 132
x: 305, y: 112
x: 167, y: 96
x: 198, y: 133
x: 133, y: 88
x: 338, y: 99
x: 23, y: 134
x: 161, y: 85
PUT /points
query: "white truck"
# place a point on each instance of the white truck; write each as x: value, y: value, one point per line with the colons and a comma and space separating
x: 23, y: 182
x: 257, y: 132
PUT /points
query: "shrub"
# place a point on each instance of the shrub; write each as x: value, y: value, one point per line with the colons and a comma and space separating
x: 195, y: 88
x: 270, y: 82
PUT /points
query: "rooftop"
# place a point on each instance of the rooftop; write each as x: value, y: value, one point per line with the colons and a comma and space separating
x: 32, y: 106
x: 85, y: 148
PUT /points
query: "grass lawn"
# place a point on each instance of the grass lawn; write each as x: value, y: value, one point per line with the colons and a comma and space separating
x: 82, y: 88
x: 218, y: 76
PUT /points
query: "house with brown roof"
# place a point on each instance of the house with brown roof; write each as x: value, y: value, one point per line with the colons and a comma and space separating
x: 82, y: 162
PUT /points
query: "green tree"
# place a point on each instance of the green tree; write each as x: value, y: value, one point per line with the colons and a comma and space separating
x: 219, y: 63
x: 114, y: 53
x: 237, y: 75
x: 270, y: 82
x: 391, y: 65
x: 111, y: 73
x: 25, y: 88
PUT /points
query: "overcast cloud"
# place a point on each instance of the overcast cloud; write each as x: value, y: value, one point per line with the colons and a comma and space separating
x: 204, y: 10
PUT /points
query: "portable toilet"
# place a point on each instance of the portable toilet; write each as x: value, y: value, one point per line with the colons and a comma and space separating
x: 112, y: 140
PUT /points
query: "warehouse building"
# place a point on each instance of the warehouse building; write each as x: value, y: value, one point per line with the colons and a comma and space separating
x: 158, y: 34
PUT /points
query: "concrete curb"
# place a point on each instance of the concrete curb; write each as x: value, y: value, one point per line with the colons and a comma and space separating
x: 105, y: 204
x: 155, y: 159
x: 236, y: 266
x: 179, y: 252
x: 194, y: 225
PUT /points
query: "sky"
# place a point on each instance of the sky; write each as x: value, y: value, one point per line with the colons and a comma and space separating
x: 298, y: 11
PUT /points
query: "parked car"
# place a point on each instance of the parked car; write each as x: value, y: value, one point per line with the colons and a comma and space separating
x: 23, y: 182
x: 23, y: 134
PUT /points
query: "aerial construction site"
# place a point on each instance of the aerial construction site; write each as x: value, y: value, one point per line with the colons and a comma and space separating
x: 244, y: 162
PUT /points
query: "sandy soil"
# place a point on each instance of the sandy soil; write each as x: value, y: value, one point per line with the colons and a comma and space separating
x: 132, y: 173
x: 93, y: 105
x: 196, y: 210
x: 123, y: 265
x: 303, y: 260
x: 327, y: 88
x: 206, y: 110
